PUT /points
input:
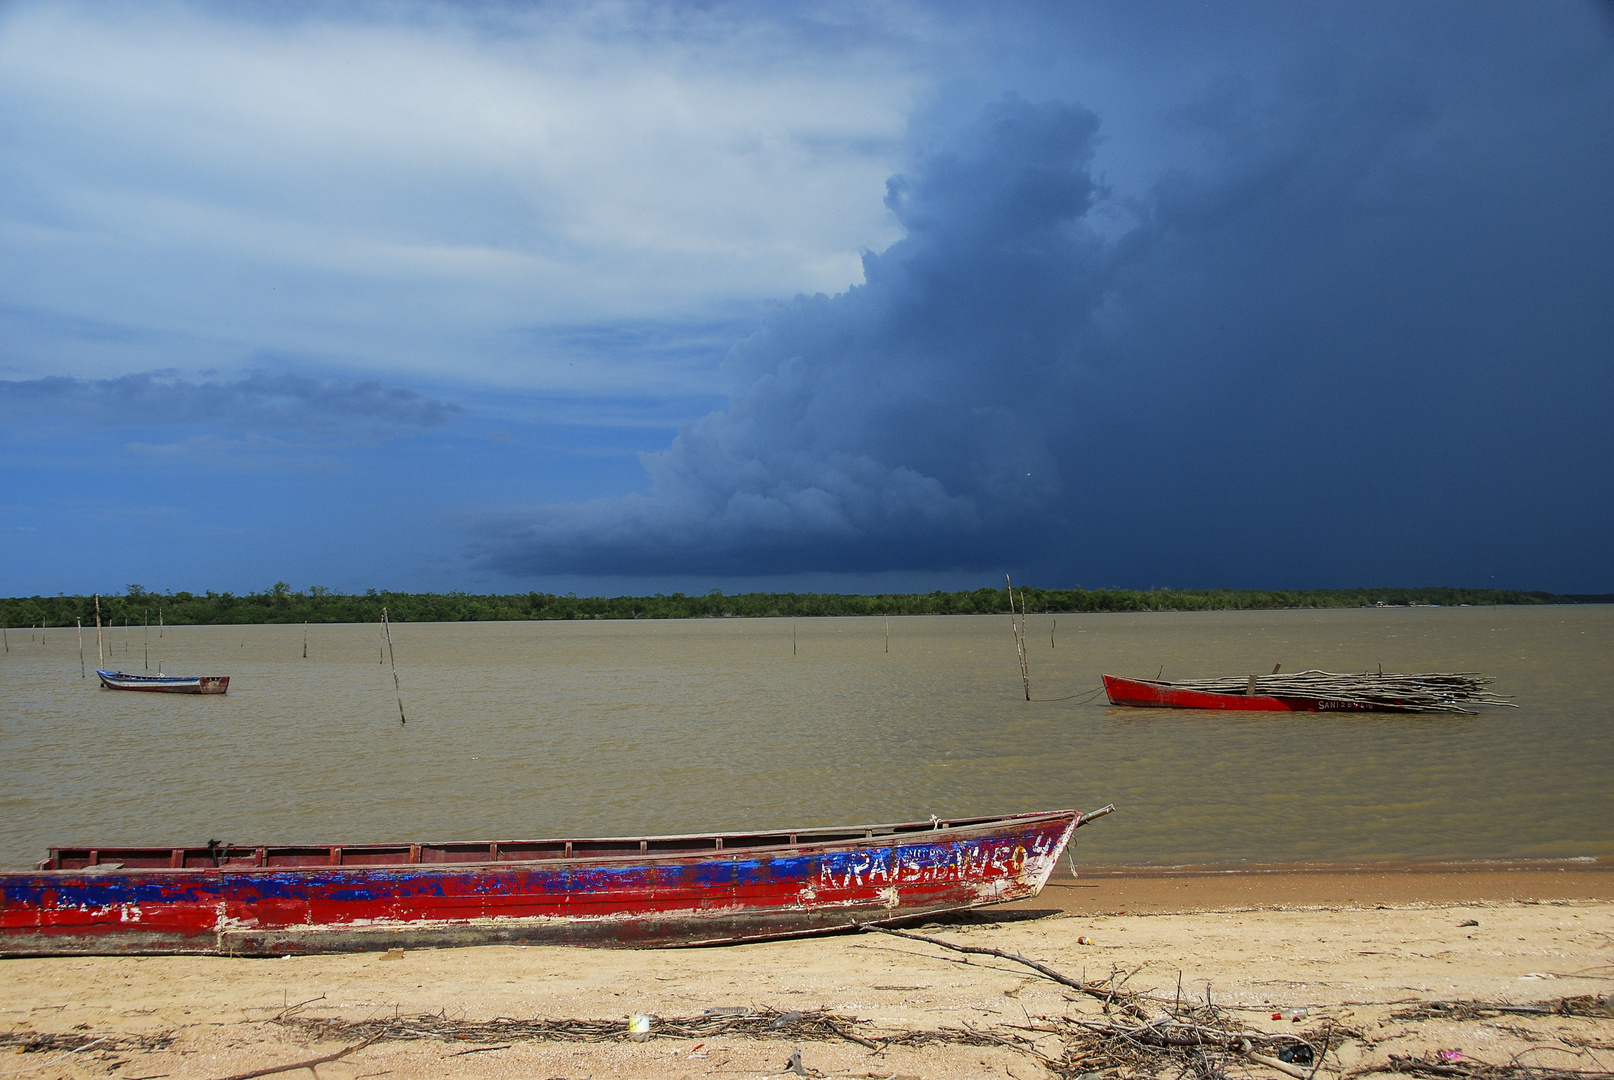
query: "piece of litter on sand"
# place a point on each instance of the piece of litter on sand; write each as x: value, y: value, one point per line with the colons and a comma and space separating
x: 794, y: 1065
x: 1297, y: 1054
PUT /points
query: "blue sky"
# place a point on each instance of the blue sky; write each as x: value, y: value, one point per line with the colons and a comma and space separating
x: 640, y: 297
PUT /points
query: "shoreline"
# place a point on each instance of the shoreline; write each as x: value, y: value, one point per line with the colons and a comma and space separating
x: 1096, y: 890
x: 281, y: 605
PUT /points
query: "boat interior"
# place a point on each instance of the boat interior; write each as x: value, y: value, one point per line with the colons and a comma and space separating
x: 215, y: 855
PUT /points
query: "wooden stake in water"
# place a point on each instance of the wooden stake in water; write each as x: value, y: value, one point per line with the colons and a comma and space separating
x: 1019, y: 636
x: 1025, y: 648
x: 888, y: 633
x: 305, y: 640
x: 159, y: 622
x: 148, y: 642
x: 100, y: 653
x: 792, y: 637
x: 6, y: 638
x: 81, y: 672
x: 387, y: 628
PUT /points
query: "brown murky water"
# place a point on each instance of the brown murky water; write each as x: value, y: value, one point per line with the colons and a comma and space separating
x: 538, y: 729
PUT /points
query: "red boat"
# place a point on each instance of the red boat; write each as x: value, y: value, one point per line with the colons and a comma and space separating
x: 642, y: 891
x: 1149, y: 694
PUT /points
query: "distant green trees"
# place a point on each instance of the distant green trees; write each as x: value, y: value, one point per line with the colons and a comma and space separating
x: 279, y: 604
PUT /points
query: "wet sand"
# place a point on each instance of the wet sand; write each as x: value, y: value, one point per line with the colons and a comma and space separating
x: 1153, y: 890
x: 1349, y: 945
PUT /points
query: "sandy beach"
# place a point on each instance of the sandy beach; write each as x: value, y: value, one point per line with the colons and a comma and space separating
x: 1352, y: 948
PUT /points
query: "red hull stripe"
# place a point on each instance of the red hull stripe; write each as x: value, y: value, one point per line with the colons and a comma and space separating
x: 625, y: 901
x: 1140, y: 693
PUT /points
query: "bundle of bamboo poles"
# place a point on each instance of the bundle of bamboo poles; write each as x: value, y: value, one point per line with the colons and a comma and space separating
x: 1437, y: 691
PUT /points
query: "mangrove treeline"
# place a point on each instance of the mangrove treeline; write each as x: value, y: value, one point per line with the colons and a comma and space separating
x: 281, y: 604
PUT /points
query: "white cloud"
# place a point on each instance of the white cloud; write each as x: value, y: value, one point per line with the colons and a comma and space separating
x: 393, y: 191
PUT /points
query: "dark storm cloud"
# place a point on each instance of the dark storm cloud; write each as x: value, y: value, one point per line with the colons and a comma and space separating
x: 1356, y: 330
x: 260, y: 402
x: 905, y: 422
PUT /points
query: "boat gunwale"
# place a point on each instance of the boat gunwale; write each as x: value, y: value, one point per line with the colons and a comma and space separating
x: 804, y: 843
x: 131, y: 677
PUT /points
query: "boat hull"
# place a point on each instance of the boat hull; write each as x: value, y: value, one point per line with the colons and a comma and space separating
x: 165, y: 684
x: 662, y: 895
x: 1146, y: 694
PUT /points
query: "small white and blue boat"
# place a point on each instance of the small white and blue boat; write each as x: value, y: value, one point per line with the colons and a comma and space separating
x: 165, y: 684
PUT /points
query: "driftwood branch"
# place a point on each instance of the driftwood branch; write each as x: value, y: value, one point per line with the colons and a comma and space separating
x: 308, y: 1064
x: 290, y: 1010
x: 1041, y: 968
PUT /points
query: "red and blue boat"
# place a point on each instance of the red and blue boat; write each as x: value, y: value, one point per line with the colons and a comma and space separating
x: 165, y: 684
x: 639, y: 891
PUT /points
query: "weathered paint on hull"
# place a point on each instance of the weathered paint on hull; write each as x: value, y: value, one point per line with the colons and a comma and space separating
x: 1146, y: 694
x: 645, y: 901
x: 165, y: 684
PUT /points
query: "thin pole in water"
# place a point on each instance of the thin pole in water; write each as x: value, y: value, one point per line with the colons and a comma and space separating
x: 100, y: 653
x: 1019, y: 635
x: 387, y: 626
x: 81, y: 672
x: 888, y: 634
x: 148, y: 642
x: 792, y: 637
x: 6, y: 638
x: 159, y: 622
x: 305, y: 639
x: 1025, y: 647
x: 1051, y: 630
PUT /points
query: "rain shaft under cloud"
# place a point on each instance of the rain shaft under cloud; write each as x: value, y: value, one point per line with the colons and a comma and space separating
x: 904, y: 423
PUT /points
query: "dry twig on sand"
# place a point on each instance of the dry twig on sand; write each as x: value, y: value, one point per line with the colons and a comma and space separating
x: 43, y: 1042
x: 307, y: 1063
x: 1479, y: 1070
x: 1587, y: 1005
x: 1144, y: 1035
x: 804, y: 1026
